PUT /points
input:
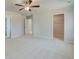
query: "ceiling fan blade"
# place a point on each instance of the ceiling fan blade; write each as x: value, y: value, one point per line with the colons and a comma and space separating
x: 30, y: 1
x: 26, y: 2
x: 21, y: 9
x: 18, y: 5
x: 36, y: 6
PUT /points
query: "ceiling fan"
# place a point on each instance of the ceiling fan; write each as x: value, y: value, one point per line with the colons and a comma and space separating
x: 27, y: 5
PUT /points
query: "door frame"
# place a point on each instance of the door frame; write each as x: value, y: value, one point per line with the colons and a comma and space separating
x: 53, y: 24
x: 8, y: 17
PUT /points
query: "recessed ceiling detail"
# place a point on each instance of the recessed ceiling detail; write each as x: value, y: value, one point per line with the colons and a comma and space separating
x: 45, y: 5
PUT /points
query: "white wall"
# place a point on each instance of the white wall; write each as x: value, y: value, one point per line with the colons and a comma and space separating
x: 43, y: 23
x: 69, y: 25
x: 17, y: 24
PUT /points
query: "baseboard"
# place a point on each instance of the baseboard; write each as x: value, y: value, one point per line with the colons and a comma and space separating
x: 69, y: 42
x: 43, y: 37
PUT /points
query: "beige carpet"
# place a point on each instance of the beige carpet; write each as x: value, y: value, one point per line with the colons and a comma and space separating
x: 38, y: 48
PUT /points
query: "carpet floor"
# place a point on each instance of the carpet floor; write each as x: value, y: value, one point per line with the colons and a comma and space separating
x: 37, y: 48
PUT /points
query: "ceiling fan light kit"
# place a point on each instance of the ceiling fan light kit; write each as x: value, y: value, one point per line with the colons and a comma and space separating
x: 27, y: 6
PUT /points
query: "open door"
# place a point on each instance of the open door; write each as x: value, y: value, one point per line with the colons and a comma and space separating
x: 58, y: 26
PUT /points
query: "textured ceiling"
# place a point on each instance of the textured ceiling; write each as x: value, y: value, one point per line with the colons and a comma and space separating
x: 44, y: 5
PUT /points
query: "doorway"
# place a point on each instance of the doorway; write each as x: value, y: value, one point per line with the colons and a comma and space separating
x: 58, y: 26
x: 28, y: 26
x: 7, y: 27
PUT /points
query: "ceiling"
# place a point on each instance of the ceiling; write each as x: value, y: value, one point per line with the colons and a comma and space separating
x: 44, y: 5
